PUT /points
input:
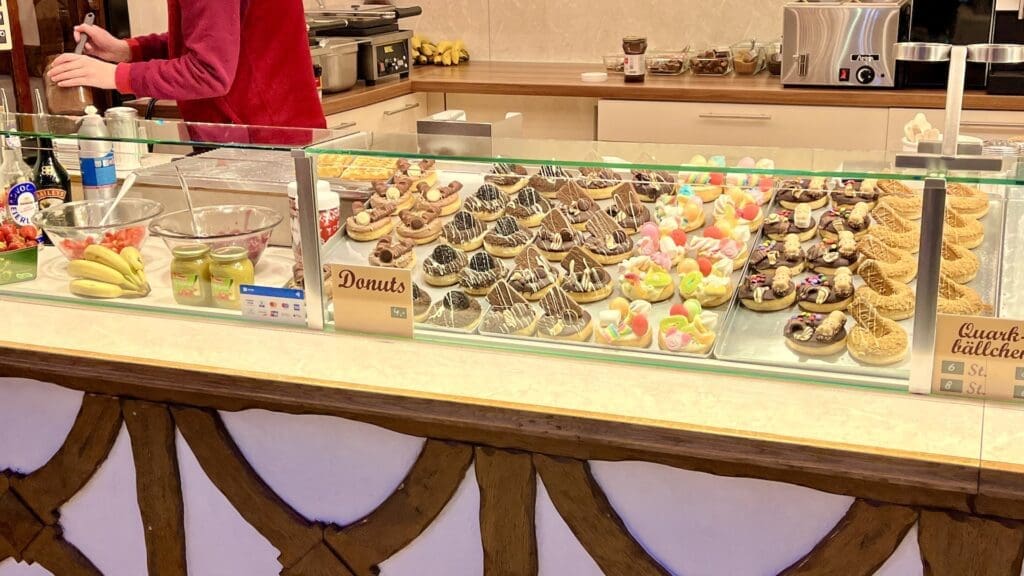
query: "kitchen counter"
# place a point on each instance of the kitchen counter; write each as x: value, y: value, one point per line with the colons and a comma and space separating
x: 879, y: 445
x: 556, y: 79
x: 178, y: 411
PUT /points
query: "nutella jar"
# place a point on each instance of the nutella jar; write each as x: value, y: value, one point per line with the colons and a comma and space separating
x: 635, y: 68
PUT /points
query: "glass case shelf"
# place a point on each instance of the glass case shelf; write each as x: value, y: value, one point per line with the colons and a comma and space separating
x: 661, y: 255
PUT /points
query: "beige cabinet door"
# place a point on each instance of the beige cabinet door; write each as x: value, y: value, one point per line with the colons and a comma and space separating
x: 560, y: 118
x: 394, y: 116
x: 820, y: 127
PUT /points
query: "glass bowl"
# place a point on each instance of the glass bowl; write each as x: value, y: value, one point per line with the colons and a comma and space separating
x: 712, y: 62
x: 615, y: 63
x: 75, y: 225
x: 218, y: 226
x: 749, y: 58
x: 668, y: 63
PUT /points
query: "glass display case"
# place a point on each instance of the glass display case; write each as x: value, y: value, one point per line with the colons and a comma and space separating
x: 787, y: 263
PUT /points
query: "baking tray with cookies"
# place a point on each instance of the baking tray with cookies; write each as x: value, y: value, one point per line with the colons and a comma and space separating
x: 636, y: 260
x: 832, y: 280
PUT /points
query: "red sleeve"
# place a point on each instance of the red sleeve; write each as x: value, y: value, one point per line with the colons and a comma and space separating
x: 151, y: 47
x: 211, y: 30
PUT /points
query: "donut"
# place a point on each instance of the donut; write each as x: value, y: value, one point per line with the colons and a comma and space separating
x: 369, y: 224
x: 966, y: 232
x: 959, y: 263
x: 892, y: 299
x: 966, y: 200
x: 768, y: 293
x: 898, y: 265
x: 960, y: 300
x: 900, y: 198
x: 875, y: 340
x: 818, y: 293
x: 895, y: 230
x: 626, y: 324
x: 811, y: 334
x: 852, y: 192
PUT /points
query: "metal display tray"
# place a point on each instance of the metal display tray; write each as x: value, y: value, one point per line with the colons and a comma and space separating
x: 756, y: 337
x: 352, y: 252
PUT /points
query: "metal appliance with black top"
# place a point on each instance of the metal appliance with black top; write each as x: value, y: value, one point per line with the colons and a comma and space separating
x: 956, y: 22
x: 384, y: 49
x: 840, y: 43
x: 1008, y: 29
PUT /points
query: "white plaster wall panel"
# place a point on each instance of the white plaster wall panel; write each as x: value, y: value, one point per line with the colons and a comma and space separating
x: 35, y: 418
x: 103, y: 519
x: 450, y: 546
x: 699, y: 524
x: 558, y: 550
x: 906, y: 560
x: 329, y: 469
x: 465, y: 20
x: 584, y: 30
x: 11, y: 568
x: 147, y: 16
x: 218, y: 541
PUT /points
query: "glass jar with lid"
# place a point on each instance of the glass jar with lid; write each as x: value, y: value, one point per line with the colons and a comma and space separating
x: 230, y: 269
x: 635, y: 65
x: 190, y: 275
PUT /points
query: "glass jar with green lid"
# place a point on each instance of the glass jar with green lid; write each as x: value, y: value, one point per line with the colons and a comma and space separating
x: 230, y: 269
x: 190, y: 275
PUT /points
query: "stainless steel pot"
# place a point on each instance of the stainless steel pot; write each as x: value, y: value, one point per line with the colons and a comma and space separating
x: 337, y: 59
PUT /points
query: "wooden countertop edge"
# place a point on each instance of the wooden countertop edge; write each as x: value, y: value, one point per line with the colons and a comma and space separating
x: 905, y: 478
x: 365, y: 96
x: 712, y: 94
x: 357, y: 97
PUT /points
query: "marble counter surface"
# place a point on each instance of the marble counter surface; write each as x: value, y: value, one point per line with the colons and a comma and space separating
x: 925, y: 443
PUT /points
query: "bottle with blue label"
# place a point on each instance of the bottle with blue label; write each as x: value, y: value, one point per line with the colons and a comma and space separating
x: 96, y: 152
x: 19, y: 192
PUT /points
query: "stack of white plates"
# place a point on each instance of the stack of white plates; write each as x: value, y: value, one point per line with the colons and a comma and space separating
x: 67, y: 152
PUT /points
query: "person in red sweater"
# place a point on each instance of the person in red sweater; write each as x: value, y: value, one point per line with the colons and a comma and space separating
x: 224, y: 61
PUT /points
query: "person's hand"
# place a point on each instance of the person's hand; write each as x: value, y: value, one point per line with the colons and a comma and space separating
x: 71, y: 70
x: 103, y: 45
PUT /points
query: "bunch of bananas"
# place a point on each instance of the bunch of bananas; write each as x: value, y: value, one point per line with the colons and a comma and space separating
x: 103, y: 273
x: 446, y: 53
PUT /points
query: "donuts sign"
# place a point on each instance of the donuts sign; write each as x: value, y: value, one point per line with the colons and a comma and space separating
x: 372, y: 299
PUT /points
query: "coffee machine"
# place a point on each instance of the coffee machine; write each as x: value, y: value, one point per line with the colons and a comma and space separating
x: 958, y: 22
x: 1008, y: 29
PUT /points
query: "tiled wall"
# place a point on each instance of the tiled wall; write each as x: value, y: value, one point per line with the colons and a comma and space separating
x: 583, y: 30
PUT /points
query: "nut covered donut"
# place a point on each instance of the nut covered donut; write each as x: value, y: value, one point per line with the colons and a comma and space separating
x: 875, y: 340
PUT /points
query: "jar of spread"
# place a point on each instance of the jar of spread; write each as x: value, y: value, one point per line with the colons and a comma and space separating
x: 230, y: 269
x: 635, y: 68
x: 190, y: 275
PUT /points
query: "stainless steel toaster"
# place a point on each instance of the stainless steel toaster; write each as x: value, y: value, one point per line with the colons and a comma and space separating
x: 843, y: 42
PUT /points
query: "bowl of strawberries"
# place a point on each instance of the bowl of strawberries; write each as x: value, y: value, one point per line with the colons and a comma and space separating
x: 74, y: 226
x: 14, y: 237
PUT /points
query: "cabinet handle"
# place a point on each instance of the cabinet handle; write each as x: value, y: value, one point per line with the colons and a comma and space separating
x: 405, y: 108
x: 1020, y: 15
x: 343, y: 126
x: 711, y: 116
x: 993, y: 124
